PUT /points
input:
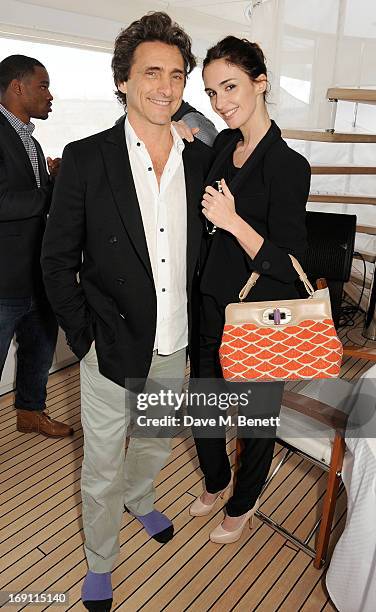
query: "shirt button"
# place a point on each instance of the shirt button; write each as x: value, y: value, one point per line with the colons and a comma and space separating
x: 121, y: 280
x: 150, y: 168
x: 265, y: 265
x: 163, y: 290
x: 112, y: 240
x: 161, y: 229
x: 163, y: 260
x: 138, y: 144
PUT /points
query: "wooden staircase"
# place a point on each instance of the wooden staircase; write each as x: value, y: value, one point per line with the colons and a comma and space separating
x: 335, y: 94
x: 356, y: 96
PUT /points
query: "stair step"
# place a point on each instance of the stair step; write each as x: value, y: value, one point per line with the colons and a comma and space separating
x: 342, y: 199
x: 326, y: 169
x: 366, y: 229
x: 352, y: 94
x: 323, y: 136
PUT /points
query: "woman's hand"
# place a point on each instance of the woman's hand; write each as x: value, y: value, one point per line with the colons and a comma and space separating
x: 219, y: 208
x: 184, y: 130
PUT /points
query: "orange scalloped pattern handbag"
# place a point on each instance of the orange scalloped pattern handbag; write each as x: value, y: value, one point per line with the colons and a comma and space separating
x: 286, y: 340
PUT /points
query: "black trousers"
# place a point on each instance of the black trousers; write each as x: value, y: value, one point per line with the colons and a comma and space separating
x: 257, y: 452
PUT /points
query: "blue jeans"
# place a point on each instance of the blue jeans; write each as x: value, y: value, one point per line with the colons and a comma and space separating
x: 34, y: 325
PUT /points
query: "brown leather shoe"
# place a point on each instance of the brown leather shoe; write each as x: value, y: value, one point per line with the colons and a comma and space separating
x: 29, y: 421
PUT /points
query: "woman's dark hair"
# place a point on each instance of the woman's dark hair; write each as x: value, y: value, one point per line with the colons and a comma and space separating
x: 241, y: 52
x: 155, y: 26
x: 16, y: 67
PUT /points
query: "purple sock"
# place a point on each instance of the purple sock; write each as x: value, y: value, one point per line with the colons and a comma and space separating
x: 96, y: 587
x: 156, y: 525
x: 154, y: 522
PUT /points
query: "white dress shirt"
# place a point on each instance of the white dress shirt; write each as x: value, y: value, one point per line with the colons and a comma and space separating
x: 164, y: 216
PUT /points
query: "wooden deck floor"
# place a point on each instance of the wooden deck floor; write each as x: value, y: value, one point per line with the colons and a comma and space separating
x: 41, y: 529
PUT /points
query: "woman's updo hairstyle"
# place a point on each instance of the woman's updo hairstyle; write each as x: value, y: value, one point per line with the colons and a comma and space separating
x: 242, y: 53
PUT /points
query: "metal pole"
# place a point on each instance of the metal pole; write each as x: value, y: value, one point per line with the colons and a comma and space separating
x: 333, y: 113
x: 355, y: 114
x: 369, y: 329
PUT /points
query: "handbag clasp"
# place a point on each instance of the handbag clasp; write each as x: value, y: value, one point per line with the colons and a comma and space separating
x: 276, y: 316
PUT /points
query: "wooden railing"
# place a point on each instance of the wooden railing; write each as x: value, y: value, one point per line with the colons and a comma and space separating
x: 342, y: 199
x: 352, y: 94
x: 325, y: 136
x: 327, y: 169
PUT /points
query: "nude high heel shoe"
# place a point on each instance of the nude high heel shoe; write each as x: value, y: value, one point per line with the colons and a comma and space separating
x: 221, y: 536
x: 198, y: 508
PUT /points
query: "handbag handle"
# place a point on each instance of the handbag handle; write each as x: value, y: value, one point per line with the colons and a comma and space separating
x: 255, y: 276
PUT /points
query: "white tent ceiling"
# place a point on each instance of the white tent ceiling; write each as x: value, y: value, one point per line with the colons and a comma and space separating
x: 232, y: 11
x: 207, y: 16
x: 98, y: 22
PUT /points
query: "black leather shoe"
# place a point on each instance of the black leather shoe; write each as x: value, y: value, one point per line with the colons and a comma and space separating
x: 103, y: 605
x: 163, y: 536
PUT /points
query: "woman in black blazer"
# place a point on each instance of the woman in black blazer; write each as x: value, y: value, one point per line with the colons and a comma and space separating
x: 259, y: 220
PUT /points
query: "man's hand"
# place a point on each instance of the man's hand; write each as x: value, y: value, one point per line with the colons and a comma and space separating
x: 53, y: 166
x: 184, y: 130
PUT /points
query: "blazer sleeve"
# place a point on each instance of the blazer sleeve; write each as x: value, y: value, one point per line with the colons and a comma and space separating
x: 22, y: 204
x: 208, y: 132
x: 289, y: 179
x: 221, y: 140
x: 62, y: 256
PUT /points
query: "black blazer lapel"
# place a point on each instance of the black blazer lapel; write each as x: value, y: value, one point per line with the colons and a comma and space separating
x: 43, y: 175
x: 116, y: 159
x: 222, y: 156
x: 194, y: 191
x: 271, y: 136
x: 21, y: 158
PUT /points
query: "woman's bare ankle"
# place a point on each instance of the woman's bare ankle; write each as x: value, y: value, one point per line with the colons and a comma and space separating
x: 231, y: 523
x: 209, y: 498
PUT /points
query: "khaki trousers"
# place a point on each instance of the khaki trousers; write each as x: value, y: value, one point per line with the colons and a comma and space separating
x: 110, y: 477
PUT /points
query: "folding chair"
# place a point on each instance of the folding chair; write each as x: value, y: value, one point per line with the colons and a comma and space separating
x: 314, y: 430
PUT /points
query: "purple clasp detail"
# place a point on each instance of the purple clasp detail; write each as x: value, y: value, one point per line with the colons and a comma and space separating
x: 277, y: 316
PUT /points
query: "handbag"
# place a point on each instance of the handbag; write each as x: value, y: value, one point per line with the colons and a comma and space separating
x: 280, y: 340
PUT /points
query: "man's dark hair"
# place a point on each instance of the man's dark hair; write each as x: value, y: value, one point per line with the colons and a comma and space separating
x: 16, y: 67
x: 156, y: 26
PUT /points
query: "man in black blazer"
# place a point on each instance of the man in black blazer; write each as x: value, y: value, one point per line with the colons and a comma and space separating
x: 25, y: 196
x: 126, y: 217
